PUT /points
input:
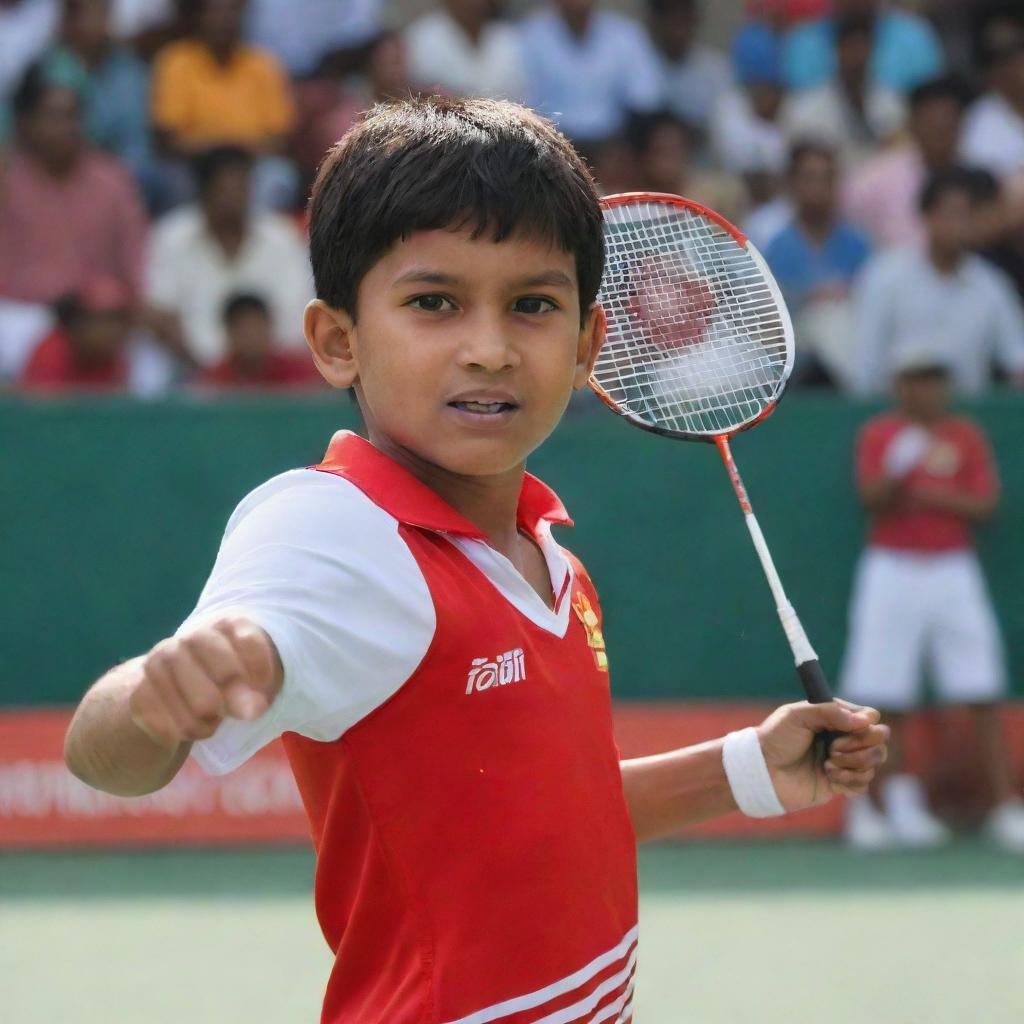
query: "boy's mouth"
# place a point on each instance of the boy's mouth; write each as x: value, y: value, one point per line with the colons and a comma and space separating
x: 484, y: 402
x: 484, y: 408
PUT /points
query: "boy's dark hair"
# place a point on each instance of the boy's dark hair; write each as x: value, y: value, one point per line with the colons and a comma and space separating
x: 432, y: 163
x: 243, y: 302
x: 209, y: 163
x: 945, y: 87
x: 949, y: 179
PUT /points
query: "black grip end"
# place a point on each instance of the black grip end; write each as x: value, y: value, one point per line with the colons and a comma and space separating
x: 818, y: 692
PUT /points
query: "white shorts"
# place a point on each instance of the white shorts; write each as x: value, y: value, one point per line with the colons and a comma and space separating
x: 908, y: 608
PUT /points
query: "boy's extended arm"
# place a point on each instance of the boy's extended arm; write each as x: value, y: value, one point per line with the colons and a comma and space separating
x: 670, y: 791
x: 106, y: 749
x: 134, y: 728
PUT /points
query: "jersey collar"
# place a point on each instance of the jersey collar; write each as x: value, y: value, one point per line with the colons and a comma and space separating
x: 410, y: 501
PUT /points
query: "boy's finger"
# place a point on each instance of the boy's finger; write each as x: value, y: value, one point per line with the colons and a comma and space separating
x: 257, y: 654
x: 152, y: 718
x: 159, y: 669
x: 848, y: 776
x: 834, y: 717
x: 244, y: 702
x: 218, y: 658
x: 199, y: 693
x: 872, y: 736
x: 867, y: 757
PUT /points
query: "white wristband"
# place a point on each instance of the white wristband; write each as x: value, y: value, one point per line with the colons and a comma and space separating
x: 748, y: 776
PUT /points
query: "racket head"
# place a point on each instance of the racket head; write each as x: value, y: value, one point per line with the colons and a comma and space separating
x: 699, y: 343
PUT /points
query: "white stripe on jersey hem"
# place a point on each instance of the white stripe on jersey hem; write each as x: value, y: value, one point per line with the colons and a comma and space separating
x: 557, y: 988
x: 585, y: 1005
x: 615, y: 1005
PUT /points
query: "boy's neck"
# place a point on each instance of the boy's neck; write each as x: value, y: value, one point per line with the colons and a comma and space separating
x: 488, y: 502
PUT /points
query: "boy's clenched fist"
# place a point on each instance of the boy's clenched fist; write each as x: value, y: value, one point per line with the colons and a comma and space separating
x: 226, y: 668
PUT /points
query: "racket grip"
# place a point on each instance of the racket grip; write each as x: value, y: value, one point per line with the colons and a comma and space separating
x: 818, y: 692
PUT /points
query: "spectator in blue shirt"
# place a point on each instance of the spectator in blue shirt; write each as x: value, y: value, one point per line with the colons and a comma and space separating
x: 587, y: 69
x: 815, y: 258
x: 112, y: 82
x: 906, y: 51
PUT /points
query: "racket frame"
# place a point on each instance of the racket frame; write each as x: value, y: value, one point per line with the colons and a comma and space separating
x: 808, y: 667
x: 667, y: 199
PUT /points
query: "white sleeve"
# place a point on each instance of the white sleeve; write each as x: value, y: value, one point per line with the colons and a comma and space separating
x: 162, y: 260
x: 980, y: 144
x: 643, y: 80
x: 1009, y: 324
x: 291, y: 287
x: 324, y: 571
x: 872, y: 295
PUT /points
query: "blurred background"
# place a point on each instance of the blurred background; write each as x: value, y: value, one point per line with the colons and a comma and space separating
x: 155, y: 156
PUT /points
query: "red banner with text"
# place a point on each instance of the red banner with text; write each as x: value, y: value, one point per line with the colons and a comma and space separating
x: 43, y: 805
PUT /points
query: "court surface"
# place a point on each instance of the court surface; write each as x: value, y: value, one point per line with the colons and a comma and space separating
x: 730, y: 934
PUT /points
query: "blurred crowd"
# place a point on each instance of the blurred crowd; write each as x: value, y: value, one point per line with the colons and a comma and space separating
x: 155, y: 156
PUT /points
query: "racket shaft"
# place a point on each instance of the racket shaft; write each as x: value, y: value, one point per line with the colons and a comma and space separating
x: 808, y: 668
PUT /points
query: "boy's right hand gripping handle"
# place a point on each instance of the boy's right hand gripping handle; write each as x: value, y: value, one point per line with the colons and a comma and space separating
x: 818, y: 692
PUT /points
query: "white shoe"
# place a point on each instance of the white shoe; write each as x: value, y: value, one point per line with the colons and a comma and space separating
x: 1005, y: 825
x: 909, y: 818
x: 866, y: 827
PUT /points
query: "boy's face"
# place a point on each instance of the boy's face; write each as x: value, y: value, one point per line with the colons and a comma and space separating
x: 924, y: 396
x: 249, y: 336
x: 465, y: 352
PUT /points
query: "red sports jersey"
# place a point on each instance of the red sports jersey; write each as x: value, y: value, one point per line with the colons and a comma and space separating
x: 958, y: 461
x: 52, y: 368
x: 279, y: 370
x: 475, y: 856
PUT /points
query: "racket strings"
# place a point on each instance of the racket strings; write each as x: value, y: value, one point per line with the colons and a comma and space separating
x: 697, y: 343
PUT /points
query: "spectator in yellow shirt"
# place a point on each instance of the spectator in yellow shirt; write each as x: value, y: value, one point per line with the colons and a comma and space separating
x: 213, y: 89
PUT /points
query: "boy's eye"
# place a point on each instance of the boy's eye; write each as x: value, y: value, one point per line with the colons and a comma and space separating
x: 432, y: 303
x: 534, y: 304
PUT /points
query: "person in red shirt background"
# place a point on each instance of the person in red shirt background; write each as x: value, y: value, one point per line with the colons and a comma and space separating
x: 926, y: 477
x: 253, y: 360
x: 87, y: 351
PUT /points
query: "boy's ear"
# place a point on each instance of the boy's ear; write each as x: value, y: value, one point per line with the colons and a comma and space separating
x: 592, y: 336
x: 330, y: 335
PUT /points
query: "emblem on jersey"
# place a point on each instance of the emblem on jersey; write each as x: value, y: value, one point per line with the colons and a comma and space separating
x: 943, y: 459
x: 595, y: 638
x: 506, y: 668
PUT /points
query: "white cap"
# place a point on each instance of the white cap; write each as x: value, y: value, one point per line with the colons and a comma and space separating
x: 919, y: 360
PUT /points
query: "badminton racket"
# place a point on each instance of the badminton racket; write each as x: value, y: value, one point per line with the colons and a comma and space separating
x: 699, y: 347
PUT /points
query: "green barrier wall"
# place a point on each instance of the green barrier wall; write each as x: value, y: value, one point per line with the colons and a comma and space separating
x: 110, y: 515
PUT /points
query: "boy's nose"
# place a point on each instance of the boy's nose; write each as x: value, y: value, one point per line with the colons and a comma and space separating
x: 488, y: 347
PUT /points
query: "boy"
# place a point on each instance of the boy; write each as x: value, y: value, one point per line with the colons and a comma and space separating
x: 927, y: 478
x: 253, y: 358
x: 402, y: 615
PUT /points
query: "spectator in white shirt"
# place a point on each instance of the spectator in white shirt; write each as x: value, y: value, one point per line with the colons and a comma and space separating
x: 587, y: 68
x: 993, y: 132
x: 200, y: 254
x: 696, y: 74
x: 851, y: 112
x: 462, y: 48
x: 939, y: 298
x: 306, y: 35
x: 746, y: 133
x: 27, y: 28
